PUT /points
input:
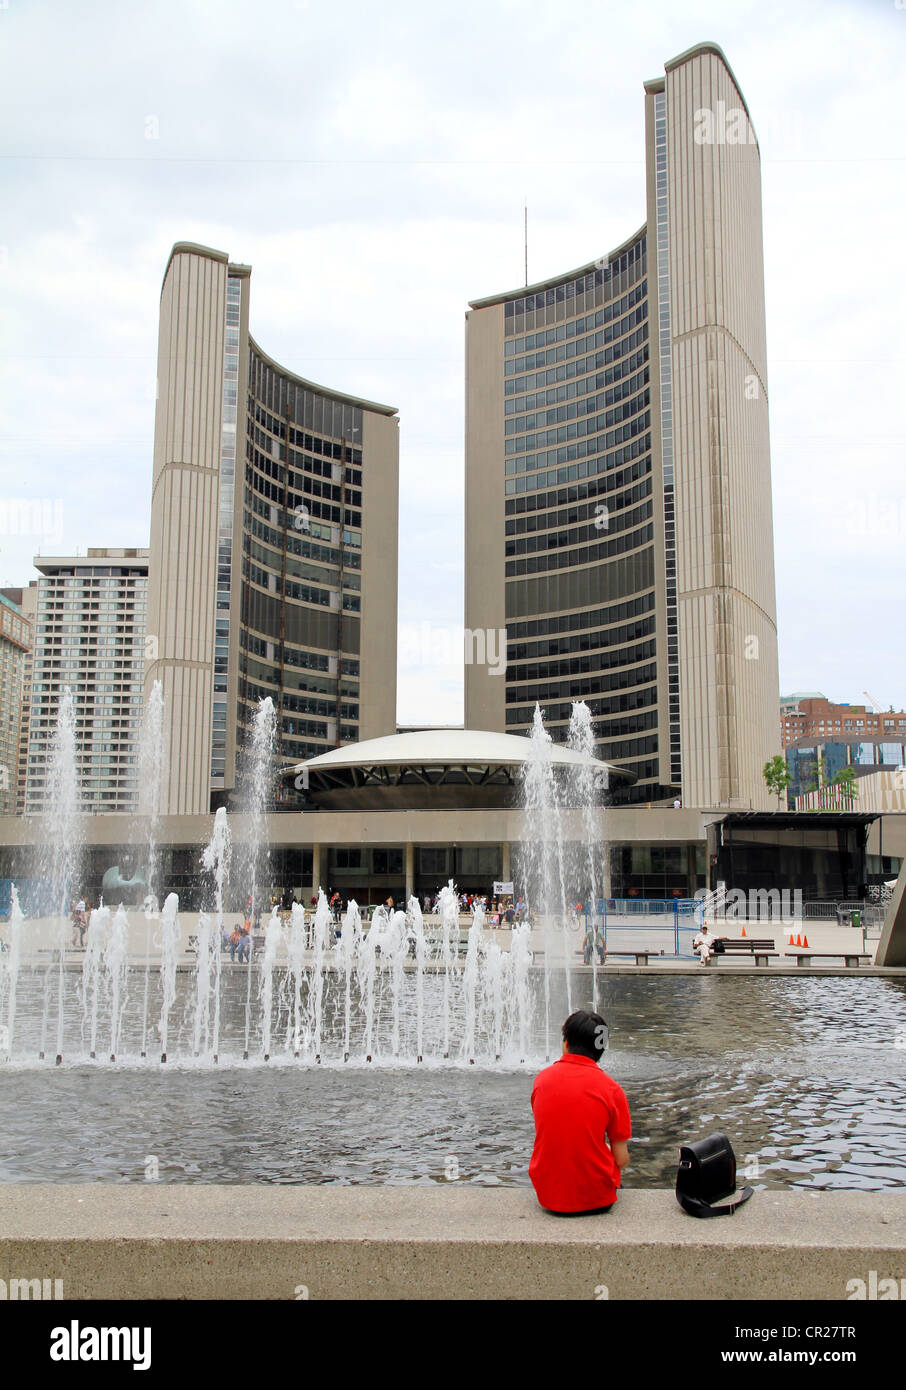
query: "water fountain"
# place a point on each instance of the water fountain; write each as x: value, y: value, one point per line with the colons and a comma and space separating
x: 151, y: 774
x: 588, y: 787
x: 296, y: 953
x: 542, y: 858
x: 255, y: 790
x: 62, y: 849
x: 273, y: 940
x: 9, y: 975
x: 169, y: 951
x: 389, y: 991
x: 387, y: 994
x: 216, y: 861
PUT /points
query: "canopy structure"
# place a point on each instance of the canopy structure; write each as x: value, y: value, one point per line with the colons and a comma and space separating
x: 434, y: 768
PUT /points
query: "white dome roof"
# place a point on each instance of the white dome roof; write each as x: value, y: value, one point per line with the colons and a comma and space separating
x: 443, y: 747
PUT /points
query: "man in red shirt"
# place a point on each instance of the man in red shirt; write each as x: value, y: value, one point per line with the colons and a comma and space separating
x: 581, y: 1125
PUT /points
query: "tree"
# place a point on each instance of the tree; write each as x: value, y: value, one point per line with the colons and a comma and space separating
x: 819, y: 777
x: 777, y: 776
x: 845, y: 781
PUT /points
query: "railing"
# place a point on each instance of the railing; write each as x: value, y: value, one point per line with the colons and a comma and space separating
x: 663, y: 916
x: 872, y: 913
x: 672, y: 916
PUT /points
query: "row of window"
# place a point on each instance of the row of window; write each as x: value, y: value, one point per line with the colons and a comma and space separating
x: 578, y: 492
x: 575, y: 326
x: 635, y: 448
x: 619, y: 680
x: 292, y: 656
x: 111, y: 572
x: 273, y: 493
x: 618, y: 514
x: 314, y: 445
x: 304, y: 593
x: 576, y: 409
x: 569, y: 289
x: 569, y: 371
x: 581, y: 641
x: 581, y: 665
x: 614, y: 334
x: 308, y: 550
x: 299, y: 569
x: 301, y: 704
x: 579, y: 430
x: 533, y: 517
x: 302, y: 483
x: 585, y: 555
x: 557, y: 395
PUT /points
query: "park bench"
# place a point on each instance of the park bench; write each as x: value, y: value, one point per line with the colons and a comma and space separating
x: 641, y: 957
x: 762, y: 948
x: 851, y: 959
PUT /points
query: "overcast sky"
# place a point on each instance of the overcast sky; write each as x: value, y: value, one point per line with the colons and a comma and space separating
x: 370, y: 162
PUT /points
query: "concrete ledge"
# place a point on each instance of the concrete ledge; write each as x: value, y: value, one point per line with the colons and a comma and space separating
x: 192, y: 1241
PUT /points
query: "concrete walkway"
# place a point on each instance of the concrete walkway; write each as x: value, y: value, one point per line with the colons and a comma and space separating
x: 439, y: 1242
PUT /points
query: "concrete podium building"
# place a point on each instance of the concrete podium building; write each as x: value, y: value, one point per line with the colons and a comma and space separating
x: 618, y: 487
x: 273, y: 543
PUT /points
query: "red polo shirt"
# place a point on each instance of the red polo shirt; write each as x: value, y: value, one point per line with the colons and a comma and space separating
x: 575, y: 1105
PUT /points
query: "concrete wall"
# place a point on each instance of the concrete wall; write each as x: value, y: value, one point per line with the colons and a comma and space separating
x: 724, y: 527
x: 376, y: 827
x: 892, y: 945
x: 380, y: 558
x: 184, y: 504
x: 485, y: 563
x: 451, y: 1242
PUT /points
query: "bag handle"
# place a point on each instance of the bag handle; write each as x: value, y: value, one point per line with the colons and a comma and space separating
x: 696, y: 1207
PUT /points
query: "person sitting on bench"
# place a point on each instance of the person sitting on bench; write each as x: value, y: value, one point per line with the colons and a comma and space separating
x: 703, y: 944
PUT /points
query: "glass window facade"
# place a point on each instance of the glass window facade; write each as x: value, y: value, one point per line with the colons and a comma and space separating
x: 301, y: 594
x: 580, y: 570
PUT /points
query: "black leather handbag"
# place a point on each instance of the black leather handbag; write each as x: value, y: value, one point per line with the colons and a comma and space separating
x: 706, y: 1174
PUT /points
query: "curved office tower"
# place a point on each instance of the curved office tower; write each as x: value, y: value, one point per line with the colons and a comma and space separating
x: 273, y: 544
x: 618, y: 487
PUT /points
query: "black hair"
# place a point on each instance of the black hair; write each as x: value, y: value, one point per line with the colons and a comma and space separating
x: 585, y: 1034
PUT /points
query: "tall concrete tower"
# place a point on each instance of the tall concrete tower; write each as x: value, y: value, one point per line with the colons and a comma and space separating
x: 618, y: 486
x: 273, y: 544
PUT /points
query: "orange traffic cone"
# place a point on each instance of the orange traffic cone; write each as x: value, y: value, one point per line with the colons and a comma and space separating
x: 798, y: 941
x: 743, y: 931
x: 804, y: 942
x: 792, y: 942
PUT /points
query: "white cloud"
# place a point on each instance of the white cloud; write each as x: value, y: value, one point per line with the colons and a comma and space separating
x: 371, y: 163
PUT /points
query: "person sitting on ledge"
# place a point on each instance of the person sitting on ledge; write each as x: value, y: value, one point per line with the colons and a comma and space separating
x: 582, y: 1125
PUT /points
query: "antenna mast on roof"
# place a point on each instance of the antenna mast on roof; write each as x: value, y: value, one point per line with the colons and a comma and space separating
x: 525, y: 227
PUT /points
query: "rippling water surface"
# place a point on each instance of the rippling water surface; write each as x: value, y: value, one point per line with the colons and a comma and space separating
x: 807, y: 1077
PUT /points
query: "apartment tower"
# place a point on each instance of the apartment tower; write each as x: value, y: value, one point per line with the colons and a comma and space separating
x: 89, y: 636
